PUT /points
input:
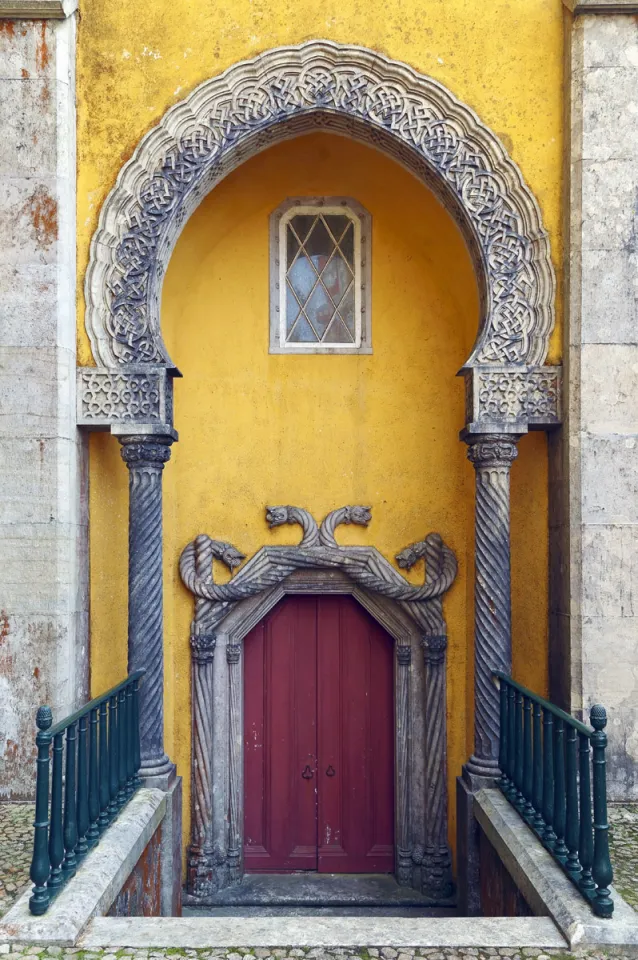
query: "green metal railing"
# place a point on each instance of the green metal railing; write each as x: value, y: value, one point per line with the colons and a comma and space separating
x: 552, y: 768
x: 84, y: 785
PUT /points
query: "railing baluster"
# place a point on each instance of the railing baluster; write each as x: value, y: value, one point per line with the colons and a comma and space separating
x: 549, y: 837
x: 518, y: 738
x: 572, y: 864
x: 121, y: 750
x: 94, y: 798
x: 137, y: 760
x: 130, y: 774
x: 601, y: 870
x: 528, y: 782
x: 511, y: 742
x: 56, y: 840
x: 82, y: 847
x: 40, y: 868
x: 105, y: 792
x: 70, y: 823
x: 537, y: 801
x: 113, y: 766
x: 503, y: 745
x: 560, y: 850
x: 586, y: 833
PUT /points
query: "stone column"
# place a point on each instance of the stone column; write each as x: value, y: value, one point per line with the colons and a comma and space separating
x: 492, y: 456
x: 200, y: 881
x: 145, y: 456
x: 404, y: 848
x: 235, y: 776
x: 436, y: 866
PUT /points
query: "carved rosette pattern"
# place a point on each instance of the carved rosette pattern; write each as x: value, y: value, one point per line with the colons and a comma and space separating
x: 270, y: 567
x: 145, y: 460
x: 288, y: 91
x: 127, y: 395
x: 492, y: 457
x: 512, y: 396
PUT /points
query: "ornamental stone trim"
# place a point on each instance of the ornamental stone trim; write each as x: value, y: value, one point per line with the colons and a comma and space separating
x: 128, y: 395
x: 501, y: 398
x: 37, y: 9
x: 602, y: 6
x: 279, y: 95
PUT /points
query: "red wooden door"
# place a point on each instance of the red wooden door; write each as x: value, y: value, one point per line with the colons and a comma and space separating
x: 318, y: 740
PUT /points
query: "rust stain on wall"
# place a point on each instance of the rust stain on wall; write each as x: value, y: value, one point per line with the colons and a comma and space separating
x: 42, y: 211
x: 8, y: 28
x: 4, y: 626
x: 140, y: 895
x: 42, y: 54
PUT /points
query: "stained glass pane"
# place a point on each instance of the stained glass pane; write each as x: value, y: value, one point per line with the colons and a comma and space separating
x: 302, y: 332
x: 346, y: 245
x: 292, y: 311
x: 302, y: 277
x: 319, y: 242
x: 346, y: 311
x: 336, y: 277
x: 336, y: 224
x: 302, y: 224
x: 320, y: 309
x: 337, y: 333
x: 293, y: 247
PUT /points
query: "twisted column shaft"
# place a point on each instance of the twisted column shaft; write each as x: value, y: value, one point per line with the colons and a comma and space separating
x: 404, y: 851
x: 492, y: 456
x: 436, y: 872
x: 145, y: 458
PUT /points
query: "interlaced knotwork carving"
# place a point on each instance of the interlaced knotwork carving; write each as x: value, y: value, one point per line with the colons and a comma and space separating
x: 319, y: 85
x: 359, y: 515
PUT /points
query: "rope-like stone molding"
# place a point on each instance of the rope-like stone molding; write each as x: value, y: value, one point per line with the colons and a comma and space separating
x: 276, y: 516
x: 359, y: 515
x: 280, y: 94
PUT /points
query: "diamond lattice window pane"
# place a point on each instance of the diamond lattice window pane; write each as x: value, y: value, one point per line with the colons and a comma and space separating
x: 319, y: 276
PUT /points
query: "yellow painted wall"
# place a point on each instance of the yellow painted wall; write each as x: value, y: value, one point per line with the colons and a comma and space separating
x: 318, y: 431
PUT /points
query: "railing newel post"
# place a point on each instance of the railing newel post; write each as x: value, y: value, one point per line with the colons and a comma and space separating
x: 69, y: 864
x: 601, y: 870
x: 40, y: 865
x: 93, y: 834
x: 586, y: 832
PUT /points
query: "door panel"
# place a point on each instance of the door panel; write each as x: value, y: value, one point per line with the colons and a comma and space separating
x: 280, y: 739
x: 355, y: 740
x: 318, y: 699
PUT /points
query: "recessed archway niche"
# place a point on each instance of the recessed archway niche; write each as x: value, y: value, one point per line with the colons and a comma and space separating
x: 413, y: 618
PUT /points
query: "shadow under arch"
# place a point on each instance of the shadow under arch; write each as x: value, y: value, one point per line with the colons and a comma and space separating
x: 285, y: 93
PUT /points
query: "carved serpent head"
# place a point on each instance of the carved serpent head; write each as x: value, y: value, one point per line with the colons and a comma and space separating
x: 360, y: 515
x: 275, y: 516
x: 232, y: 557
x: 407, y: 558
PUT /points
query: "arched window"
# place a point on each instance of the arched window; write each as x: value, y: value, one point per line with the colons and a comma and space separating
x: 320, y: 276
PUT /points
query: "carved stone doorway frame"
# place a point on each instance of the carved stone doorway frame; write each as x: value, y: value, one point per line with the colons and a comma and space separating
x: 412, y: 616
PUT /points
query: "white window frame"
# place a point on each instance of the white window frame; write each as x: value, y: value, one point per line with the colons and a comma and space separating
x: 279, y: 220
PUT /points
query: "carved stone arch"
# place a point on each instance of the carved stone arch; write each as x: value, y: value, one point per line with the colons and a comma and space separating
x: 290, y: 91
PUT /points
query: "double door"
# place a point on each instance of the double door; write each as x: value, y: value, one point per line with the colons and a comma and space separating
x: 318, y: 740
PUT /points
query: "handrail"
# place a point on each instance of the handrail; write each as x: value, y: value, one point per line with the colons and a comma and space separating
x: 552, y: 771
x: 99, y: 748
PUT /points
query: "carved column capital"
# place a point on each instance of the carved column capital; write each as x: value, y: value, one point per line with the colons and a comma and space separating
x: 233, y: 652
x: 491, y: 450
x: 141, y: 451
x: 404, y: 655
x: 434, y: 649
x: 203, y: 647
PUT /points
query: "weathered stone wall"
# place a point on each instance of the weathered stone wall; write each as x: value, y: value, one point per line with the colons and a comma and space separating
x: 43, y: 596
x: 599, y: 603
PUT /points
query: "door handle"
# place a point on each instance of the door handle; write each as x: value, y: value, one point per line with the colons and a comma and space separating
x: 307, y: 774
x: 331, y: 772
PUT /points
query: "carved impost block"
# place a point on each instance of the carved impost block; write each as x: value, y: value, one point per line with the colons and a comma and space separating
x: 434, y: 649
x: 233, y: 652
x: 203, y: 647
x: 128, y: 395
x: 508, y: 399
x: 404, y: 655
x: 498, y: 450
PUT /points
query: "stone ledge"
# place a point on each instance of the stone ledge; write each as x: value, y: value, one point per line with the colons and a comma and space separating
x: 98, y: 881
x: 547, y: 889
x: 602, y: 6
x: 37, y: 9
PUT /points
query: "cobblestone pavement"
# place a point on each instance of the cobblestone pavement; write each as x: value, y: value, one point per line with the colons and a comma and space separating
x: 15, y: 853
